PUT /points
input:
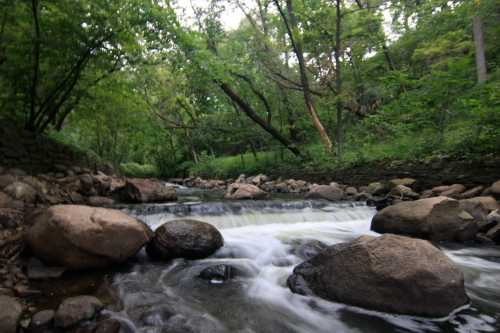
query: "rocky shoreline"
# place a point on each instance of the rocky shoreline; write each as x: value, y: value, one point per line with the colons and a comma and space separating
x: 58, y: 219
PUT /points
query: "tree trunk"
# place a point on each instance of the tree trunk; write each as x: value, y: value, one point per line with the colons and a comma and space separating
x: 250, y: 112
x: 297, y: 47
x: 480, y: 56
x: 338, y: 79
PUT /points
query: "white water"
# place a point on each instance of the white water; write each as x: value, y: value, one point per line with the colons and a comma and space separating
x: 259, y: 240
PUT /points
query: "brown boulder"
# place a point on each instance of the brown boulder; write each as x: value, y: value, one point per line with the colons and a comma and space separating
x: 437, y: 218
x: 146, y: 191
x: 451, y: 191
x: 389, y: 273
x: 242, y: 191
x: 471, y: 193
x: 80, y: 237
x: 479, y: 207
x: 331, y: 192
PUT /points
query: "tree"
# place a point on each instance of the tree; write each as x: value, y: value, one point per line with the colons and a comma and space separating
x: 479, y: 43
x: 67, y: 47
x: 291, y: 24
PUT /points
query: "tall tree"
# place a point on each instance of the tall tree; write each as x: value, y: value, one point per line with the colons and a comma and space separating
x: 479, y: 43
x: 291, y: 24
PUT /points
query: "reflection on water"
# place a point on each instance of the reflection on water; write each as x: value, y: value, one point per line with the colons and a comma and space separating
x: 259, y: 242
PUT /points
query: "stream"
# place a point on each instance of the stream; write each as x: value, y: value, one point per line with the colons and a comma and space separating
x: 260, y: 238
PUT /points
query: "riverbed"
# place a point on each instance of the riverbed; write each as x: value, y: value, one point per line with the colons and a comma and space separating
x: 261, y: 240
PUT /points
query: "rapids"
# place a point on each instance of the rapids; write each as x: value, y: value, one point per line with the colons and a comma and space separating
x: 259, y: 242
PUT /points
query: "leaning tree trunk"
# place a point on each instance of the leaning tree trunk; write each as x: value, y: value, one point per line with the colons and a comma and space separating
x: 299, y: 53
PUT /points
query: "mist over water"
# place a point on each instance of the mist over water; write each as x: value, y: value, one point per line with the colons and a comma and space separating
x: 260, y: 238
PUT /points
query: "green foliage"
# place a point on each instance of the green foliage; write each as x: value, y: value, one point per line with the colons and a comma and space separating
x: 136, y: 170
x: 147, y: 96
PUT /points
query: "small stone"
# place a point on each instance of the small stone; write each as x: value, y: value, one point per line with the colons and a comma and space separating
x: 465, y: 216
x: 76, y: 309
x: 10, y: 314
x: 42, y: 319
x: 37, y: 270
x: 23, y: 291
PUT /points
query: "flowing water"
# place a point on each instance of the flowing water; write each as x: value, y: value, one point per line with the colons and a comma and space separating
x: 260, y: 238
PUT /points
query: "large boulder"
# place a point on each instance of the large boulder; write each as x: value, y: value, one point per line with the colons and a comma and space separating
x: 80, y: 237
x: 188, y: 239
x: 242, y: 191
x: 146, y: 191
x: 331, y: 192
x: 10, y: 314
x: 437, y: 218
x: 390, y: 273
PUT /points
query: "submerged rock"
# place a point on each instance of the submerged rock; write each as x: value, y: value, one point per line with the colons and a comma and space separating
x: 188, y: 239
x: 80, y: 237
x: 437, y: 218
x: 390, y: 273
x: 218, y: 273
x: 10, y: 314
x: 306, y: 249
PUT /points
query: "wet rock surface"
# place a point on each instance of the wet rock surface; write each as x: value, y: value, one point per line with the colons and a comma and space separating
x: 81, y: 237
x: 390, y: 273
x: 438, y: 218
x: 75, y: 310
x: 188, y: 239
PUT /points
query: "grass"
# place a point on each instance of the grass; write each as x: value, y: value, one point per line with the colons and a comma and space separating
x: 416, y: 147
x: 138, y: 171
